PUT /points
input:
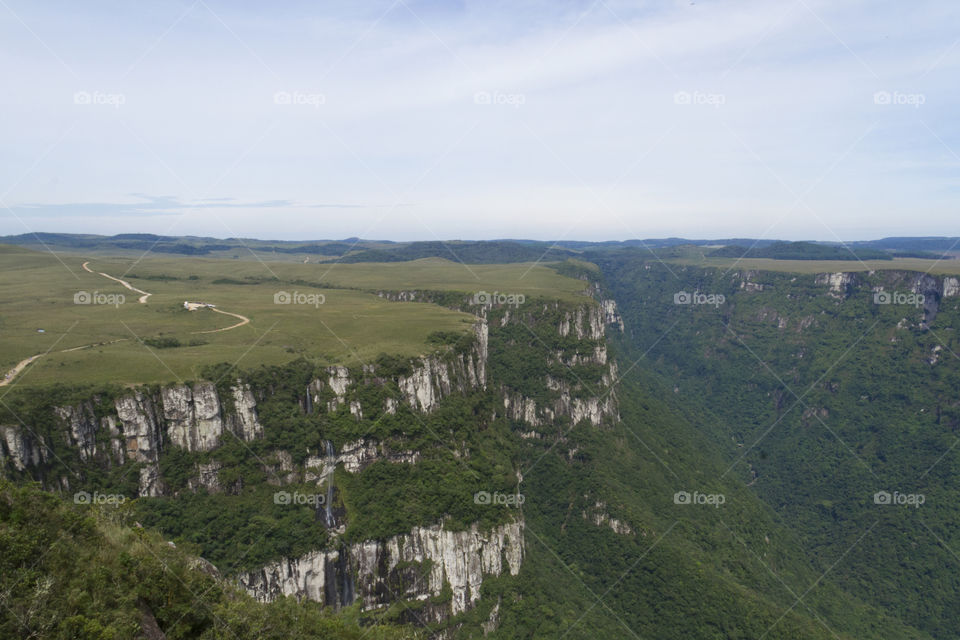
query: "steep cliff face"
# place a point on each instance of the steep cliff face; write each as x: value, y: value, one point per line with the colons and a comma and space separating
x: 339, y: 381
x: 244, y: 421
x: 193, y: 416
x: 433, y: 378
x: 430, y: 561
x: 839, y: 283
x: 195, y: 419
x: 414, y: 566
x: 933, y: 289
x: 575, y: 399
x: 587, y: 321
x: 598, y: 515
x: 356, y: 456
x: 21, y: 448
x: 929, y: 287
x: 137, y: 428
x: 591, y: 408
x: 441, y: 568
x: 951, y: 287
x: 207, y: 477
x: 82, y: 428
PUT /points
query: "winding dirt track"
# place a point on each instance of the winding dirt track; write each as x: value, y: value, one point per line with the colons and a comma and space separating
x: 142, y: 299
x: 23, y: 364
x: 243, y: 320
x: 7, y: 379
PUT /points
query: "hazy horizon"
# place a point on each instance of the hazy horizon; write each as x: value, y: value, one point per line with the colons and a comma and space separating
x: 429, y: 120
x: 275, y: 238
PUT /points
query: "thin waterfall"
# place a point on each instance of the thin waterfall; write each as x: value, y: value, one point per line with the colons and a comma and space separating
x: 330, y: 465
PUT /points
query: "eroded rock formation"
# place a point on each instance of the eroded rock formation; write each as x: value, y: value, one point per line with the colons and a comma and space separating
x: 412, y: 566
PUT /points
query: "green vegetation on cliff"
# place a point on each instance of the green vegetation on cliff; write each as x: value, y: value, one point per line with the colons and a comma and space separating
x: 700, y: 402
x: 82, y: 571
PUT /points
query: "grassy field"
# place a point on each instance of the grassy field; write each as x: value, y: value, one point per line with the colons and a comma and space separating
x: 37, y: 292
x: 428, y: 273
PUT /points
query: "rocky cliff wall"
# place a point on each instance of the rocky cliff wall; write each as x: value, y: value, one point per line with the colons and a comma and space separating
x: 433, y: 378
x: 425, y: 564
x: 136, y: 428
x: 576, y: 399
x: 414, y: 566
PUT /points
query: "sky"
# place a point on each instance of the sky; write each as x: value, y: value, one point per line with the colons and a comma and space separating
x: 427, y: 120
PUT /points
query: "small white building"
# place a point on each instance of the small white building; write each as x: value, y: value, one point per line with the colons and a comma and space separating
x: 193, y: 306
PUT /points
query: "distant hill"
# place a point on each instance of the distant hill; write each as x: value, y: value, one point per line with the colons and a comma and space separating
x: 184, y: 245
x: 489, y: 251
x: 349, y: 250
x: 471, y: 252
x: 801, y: 251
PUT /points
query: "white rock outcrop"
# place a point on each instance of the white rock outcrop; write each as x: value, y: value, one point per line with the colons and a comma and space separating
x: 355, y: 457
x: 586, y: 321
x: 151, y: 484
x: 142, y: 424
x: 139, y: 427
x: 591, y: 408
x: 193, y: 416
x: 521, y: 409
x: 434, y: 377
x: 838, y: 283
x: 207, y: 477
x: 371, y: 570
x: 951, y: 287
x: 598, y: 515
x: 339, y: 381
x: 82, y: 428
x: 244, y: 421
x: 611, y: 315
x: 118, y: 446
x: 23, y: 449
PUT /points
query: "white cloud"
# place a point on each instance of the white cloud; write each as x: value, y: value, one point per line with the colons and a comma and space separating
x: 582, y: 102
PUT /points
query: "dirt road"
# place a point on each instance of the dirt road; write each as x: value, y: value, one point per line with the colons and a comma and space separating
x: 8, y: 378
x: 142, y: 299
x: 243, y: 320
x: 23, y: 364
